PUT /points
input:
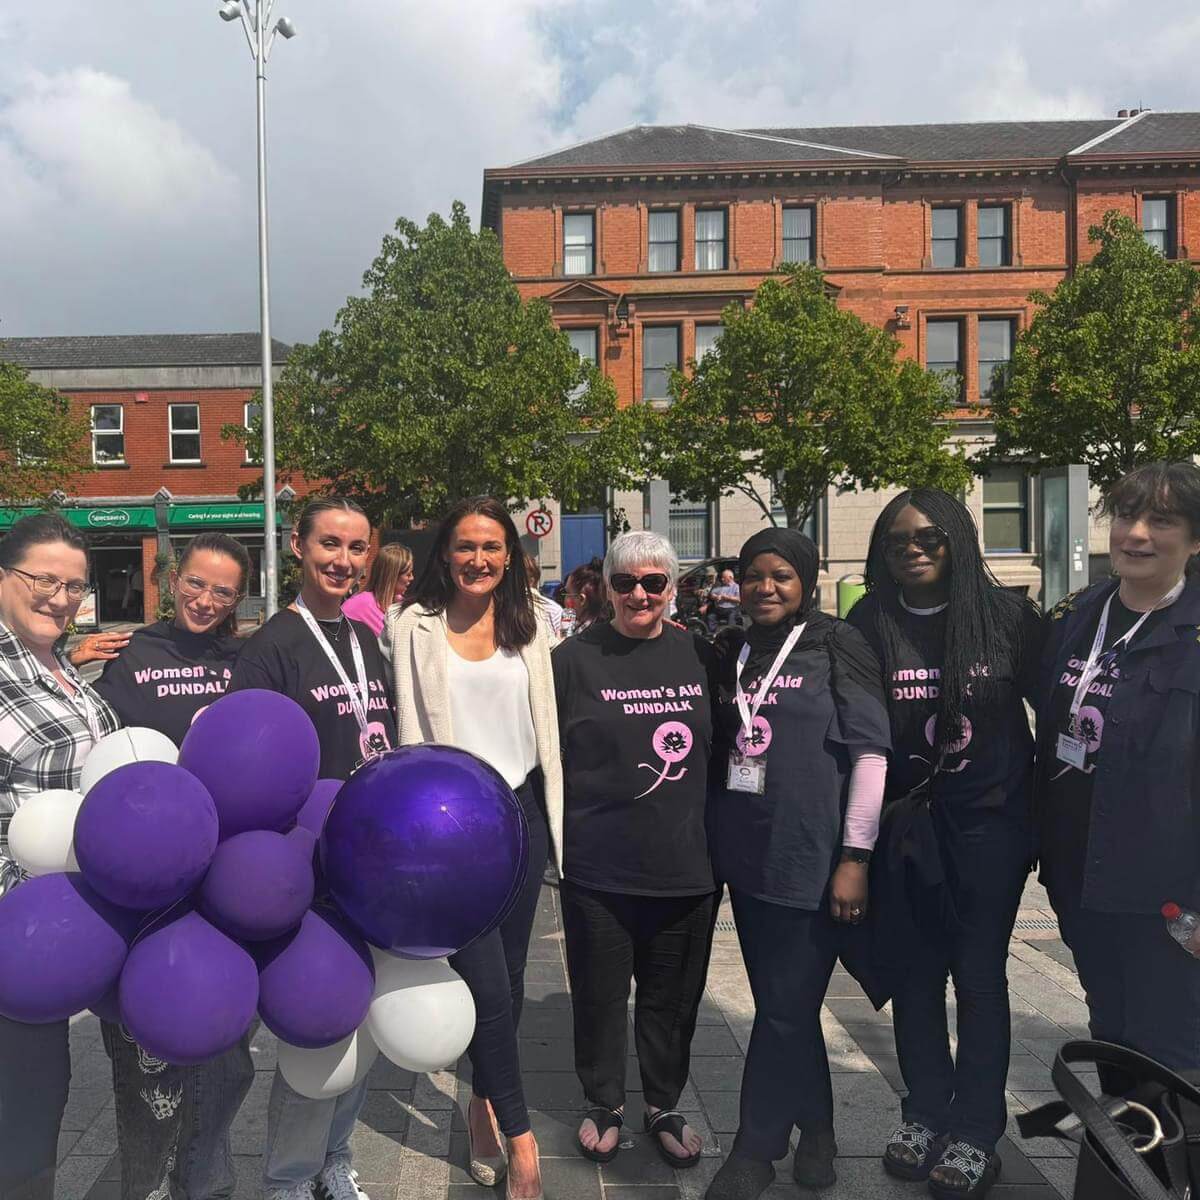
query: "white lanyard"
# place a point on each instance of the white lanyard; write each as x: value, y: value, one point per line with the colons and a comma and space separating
x: 750, y: 711
x: 358, y: 701
x: 1097, y: 661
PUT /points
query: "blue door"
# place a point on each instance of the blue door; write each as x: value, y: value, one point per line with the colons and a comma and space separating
x: 582, y: 539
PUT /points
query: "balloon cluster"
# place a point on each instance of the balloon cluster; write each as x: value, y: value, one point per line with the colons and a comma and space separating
x: 181, y: 892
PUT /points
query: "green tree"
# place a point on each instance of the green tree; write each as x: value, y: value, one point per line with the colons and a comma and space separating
x: 798, y: 395
x: 42, y: 443
x: 1108, y: 372
x: 440, y: 382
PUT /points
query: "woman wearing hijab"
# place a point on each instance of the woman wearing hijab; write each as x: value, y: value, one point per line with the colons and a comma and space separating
x: 800, y: 749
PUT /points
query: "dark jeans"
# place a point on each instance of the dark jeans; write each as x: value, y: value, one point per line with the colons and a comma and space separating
x: 494, y: 970
x: 35, y: 1077
x: 964, y: 1095
x: 1143, y: 989
x: 789, y: 955
x: 663, y: 942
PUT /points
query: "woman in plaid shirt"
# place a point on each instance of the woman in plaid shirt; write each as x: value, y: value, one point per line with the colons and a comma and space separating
x: 49, y: 721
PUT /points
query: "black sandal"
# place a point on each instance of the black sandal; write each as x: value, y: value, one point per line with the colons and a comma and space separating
x: 604, y: 1119
x: 667, y: 1120
x: 973, y: 1172
x: 912, y: 1151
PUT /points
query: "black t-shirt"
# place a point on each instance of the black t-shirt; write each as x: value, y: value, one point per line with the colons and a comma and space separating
x: 284, y: 657
x: 825, y: 702
x: 636, y: 732
x: 1066, y: 792
x: 166, y: 675
x: 990, y: 766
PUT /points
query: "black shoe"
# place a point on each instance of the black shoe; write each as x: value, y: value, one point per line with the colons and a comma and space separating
x: 812, y: 1164
x: 912, y: 1151
x: 964, y: 1172
x: 741, y: 1178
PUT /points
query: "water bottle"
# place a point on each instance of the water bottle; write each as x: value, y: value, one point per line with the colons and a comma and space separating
x: 1182, y: 924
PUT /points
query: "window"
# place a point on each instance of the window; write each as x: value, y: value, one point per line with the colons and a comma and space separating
x: 664, y: 241
x: 1006, y: 510
x: 710, y: 239
x: 583, y: 342
x: 108, y: 433
x: 946, y: 249
x: 706, y: 339
x: 185, y: 433
x: 811, y: 524
x: 1158, y: 224
x: 942, y: 355
x: 660, y: 352
x: 797, y: 235
x: 253, y: 415
x: 994, y: 236
x: 995, y: 350
x: 579, y: 243
x: 688, y: 528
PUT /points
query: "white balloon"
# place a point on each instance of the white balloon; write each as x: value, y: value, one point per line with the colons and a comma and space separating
x: 41, y: 834
x: 328, y: 1071
x: 136, y: 744
x: 422, y: 1016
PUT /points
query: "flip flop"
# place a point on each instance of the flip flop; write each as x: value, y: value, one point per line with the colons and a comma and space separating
x: 604, y: 1119
x: 667, y: 1120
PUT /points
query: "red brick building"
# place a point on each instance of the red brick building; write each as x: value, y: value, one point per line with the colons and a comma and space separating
x: 937, y: 233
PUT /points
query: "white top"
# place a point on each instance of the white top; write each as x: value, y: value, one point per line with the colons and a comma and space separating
x: 551, y: 612
x: 489, y: 712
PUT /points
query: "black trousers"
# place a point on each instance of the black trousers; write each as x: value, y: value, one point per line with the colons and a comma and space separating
x: 35, y: 1077
x: 789, y: 955
x: 662, y: 942
x: 494, y: 971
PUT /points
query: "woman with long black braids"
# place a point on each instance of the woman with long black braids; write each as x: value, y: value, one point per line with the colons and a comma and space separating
x: 959, y: 654
x: 797, y: 782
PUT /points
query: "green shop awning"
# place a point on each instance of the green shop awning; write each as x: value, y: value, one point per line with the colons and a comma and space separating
x: 215, y: 516
x: 99, y: 519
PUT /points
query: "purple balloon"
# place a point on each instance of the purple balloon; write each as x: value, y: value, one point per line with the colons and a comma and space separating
x: 259, y: 885
x: 315, y: 986
x: 61, y: 948
x: 425, y: 849
x: 187, y: 991
x: 316, y: 807
x: 257, y: 753
x: 108, y: 1007
x: 145, y: 834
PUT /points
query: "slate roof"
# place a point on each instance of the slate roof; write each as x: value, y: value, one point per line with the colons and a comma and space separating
x: 1154, y: 133
x: 140, y: 350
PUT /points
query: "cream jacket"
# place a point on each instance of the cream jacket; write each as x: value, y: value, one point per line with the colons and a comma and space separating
x: 415, y: 647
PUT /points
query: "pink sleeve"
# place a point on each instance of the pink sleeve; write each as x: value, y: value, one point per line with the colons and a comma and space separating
x: 362, y: 607
x: 865, y: 799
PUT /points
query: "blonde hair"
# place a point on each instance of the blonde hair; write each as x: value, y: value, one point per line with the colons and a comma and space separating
x: 390, y: 563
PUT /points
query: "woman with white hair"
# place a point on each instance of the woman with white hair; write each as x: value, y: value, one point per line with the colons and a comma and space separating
x: 638, y: 897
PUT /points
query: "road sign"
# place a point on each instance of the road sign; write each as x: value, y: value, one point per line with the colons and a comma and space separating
x: 539, y: 523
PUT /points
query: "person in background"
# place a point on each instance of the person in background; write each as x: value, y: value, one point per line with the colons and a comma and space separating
x: 549, y: 610
x: 960, y: 655
x: 389, y: 577
x: 638, y: 897
x: 584, y: 596
x: 49, y: 721
x: 704, y: 606
x: 471, y: 663
x: 724, y: 602
x: 332, y: 667
x: 1118, y: 796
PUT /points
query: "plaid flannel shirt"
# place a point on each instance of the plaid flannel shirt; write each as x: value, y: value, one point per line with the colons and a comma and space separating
x: 44, y: 736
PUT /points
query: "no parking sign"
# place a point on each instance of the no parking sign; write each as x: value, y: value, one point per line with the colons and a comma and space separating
x: 539, y: 523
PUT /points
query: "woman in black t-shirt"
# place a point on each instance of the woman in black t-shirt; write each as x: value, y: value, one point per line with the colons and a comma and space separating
x: 797, y: 783
x: 638, y: 898
x: 331, y: 666
x: 959, y: 654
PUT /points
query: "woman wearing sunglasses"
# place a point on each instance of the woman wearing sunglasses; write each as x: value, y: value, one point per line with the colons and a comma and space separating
x: 638, y: 898
x: 959, y: 655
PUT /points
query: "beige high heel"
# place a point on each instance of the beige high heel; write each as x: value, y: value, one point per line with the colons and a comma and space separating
x: 486, y: 1169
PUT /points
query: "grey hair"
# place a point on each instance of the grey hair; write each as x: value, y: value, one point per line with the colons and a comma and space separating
x: 637, y: 548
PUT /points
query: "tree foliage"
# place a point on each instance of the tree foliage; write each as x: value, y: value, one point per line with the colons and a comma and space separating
x: 42, y: 443
x: 1108, y: 372
x: 440, y: 382
x: 800, y: 394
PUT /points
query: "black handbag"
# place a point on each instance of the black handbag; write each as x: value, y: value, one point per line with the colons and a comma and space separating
x: 1142, y: 1145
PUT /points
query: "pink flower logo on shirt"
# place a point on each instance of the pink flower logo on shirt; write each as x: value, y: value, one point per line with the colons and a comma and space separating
x: 672, y: 742
x: 754, y: 743
x: 959, y: 744
x: 1091, y: 727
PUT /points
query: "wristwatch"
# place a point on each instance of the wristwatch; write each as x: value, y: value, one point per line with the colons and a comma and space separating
x: 855, y: 855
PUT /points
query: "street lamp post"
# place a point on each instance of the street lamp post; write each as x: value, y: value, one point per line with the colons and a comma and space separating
x: 255, y: 16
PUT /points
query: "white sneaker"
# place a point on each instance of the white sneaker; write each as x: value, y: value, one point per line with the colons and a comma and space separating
x: 298, y: 1191
x: 338, y: 1182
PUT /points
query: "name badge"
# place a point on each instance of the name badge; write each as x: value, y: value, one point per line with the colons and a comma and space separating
x: 747, y: 774
x: 1072, y: 751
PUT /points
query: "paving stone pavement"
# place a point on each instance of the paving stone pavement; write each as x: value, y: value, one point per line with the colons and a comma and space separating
x: 411, y: 1142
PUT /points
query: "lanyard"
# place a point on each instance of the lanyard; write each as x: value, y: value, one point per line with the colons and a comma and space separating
x: 1097, y: 661
x: 358, y: 700
x: 750, y: 711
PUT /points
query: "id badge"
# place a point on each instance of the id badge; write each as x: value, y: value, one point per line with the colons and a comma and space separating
x: 747, y: 774
x: 1072, y: 751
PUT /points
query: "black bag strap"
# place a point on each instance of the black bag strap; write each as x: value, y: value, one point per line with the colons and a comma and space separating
x: 1143, y: 1068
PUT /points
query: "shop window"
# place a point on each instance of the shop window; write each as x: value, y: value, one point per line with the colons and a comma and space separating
x: 664, y: 241
x: 660, y: 352
x: 253, y: 416
x: 994, y: 240
x: 798, y: 235
x: 995, y: 350
x: 1006, y: 510
x: 185, y: 433
x: 943, y: 354
x: 579, y: 243
x: 1158, y: 224
x: 108, y: 433
x: 711, y: 241
x: 947, y: 244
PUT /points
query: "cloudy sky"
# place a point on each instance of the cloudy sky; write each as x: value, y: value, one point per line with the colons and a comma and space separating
x: 127, y: 188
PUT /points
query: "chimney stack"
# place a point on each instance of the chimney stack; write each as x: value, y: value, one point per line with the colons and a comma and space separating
x: 1122, y: 114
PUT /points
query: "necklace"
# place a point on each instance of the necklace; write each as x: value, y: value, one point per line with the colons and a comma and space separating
x: 333, y: 629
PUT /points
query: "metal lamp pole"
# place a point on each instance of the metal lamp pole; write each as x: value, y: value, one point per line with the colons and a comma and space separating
x: 255, y: 16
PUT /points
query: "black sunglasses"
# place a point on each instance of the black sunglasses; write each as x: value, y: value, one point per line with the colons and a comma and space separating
x: 653, y: 585
x: 928, y: 540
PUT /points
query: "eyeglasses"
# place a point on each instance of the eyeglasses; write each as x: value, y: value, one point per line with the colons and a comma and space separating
x: 47, y: 585
x: 927, y: 540
x: 653, y: 585
x: 194, y: 588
